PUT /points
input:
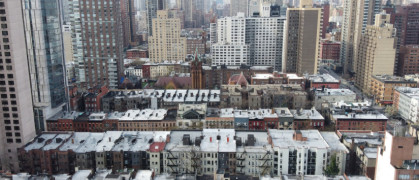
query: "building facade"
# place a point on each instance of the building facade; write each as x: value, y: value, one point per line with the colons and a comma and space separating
x: 377, y: 52
x: 383, y: 86
x: 17, y: 113
x: 166, y: 44
x: 301, y: 41
x: 408, y: 60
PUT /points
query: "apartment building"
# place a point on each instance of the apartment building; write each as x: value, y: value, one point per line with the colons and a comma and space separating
x: 357, y: 14
x: 319, y: 81
x: 166, y: 44
x: 307, y: 119
x: 382, y: 87
x: 377, y: 52
x: 302, y: 38
x: 364, y: 120
x: 406, y: 101
x: 305, y: 152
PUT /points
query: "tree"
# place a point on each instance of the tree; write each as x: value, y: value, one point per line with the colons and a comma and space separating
x: 332, y: 169
x: 391, y: 111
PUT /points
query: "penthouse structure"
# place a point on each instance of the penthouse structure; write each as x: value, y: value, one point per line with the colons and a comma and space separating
x: 276, y: 78
x: 305, y: 152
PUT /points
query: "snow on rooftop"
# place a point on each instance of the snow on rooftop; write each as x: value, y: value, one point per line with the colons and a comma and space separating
x: 125, y: 141
x: 145, y: 114
x: 61, y: 177
x: 191, y: 96
x: 333, y: 141
x: 90, y: 143
x: 262, y: 76
x: 215, y: 96
x: 227, y: 112
x: 283, y: 112
x: 39, y: 142
x: 75, y: 141
x: 97, y: 116
x: 334, y: 92
x: 322, y: 78
x: 203, y: 95
x: 101, y: 174
x: 143, y: 175
x: 168, y: 96
x: 294, y: 76
x: 56, y: 142
x: 312, y: 114
x: 371, y: 152
x: 374, y: 115
x: 81, y: 175
x: 241, y: 114
x: 180, y: 96
x: 108, y: 141
x: 176, y: 143
x: 261, y: 143
x: 284, y: 139
x: 211, y: 144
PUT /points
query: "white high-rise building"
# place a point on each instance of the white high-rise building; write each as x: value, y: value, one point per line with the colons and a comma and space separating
x: 230, y: 48
x: 255, y: 41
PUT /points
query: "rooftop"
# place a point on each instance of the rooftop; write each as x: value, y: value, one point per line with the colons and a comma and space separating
x: 284, y: 139
x: 81, y: 174
x: 304, y: 114
x: 357, y: 116
x: 334, y: 92
x: 40, y: 141
x: 144, y: 175
x: 392, y: 79
x: 90, y: 143
x: 322, y: 78
x: 108, y: 141
x: 333, y: 140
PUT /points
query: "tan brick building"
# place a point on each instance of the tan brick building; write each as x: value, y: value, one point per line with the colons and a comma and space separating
x: 382, y: 87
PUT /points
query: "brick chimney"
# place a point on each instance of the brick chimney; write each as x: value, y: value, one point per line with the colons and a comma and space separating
x: 298, y: 136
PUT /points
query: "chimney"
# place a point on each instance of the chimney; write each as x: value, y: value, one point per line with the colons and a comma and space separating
x: 228, y: 139
x: 110, y: 139
x: 72, y: 141
x: 210, y: 139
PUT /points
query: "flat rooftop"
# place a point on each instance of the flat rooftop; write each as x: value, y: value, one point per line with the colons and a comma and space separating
x: 334, y: 92
x: 284, y: 139
x: 322, y: 78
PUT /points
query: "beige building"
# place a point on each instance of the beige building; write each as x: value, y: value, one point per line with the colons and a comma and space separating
x: 161, y: 70
x: 16, y: 115
x: 357, y: 14
x: 68, y: 43
x: 377, y: 52
x: 301, y: 41
x: 166, y: 43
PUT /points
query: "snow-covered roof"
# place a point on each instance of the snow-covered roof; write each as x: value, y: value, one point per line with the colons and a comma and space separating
x: 215, y: 96
x: 191, y: 96
x: 284, y: 139
x: 353, y: 116
x: 262, y: 76
x: 371, y: 152
x: 180, y: 96
x: 333, y: 141
x: 304, y: 114
x: 56, y: 142
x: 283, y: 112
x: 261, y: 144
x: 97, y: 116
x: 143, y: 175
x: 75, y: 141
x: 142, y: 115
x: 61, y: 177
x: 225, y: 144
x: 227, y: 112
x: 90, y: 143
x: 176, y: 143
x: 108, y: 141
x: 81, y: 175
x: 322, y: 78
x: 39, y: 142
x: 334, y: 92
x: 101, y: 174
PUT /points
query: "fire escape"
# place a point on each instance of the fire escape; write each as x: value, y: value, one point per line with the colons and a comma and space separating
x: 241, y: 162
x: 172, y: 162
x: 196, y: 161
x: 265, y: 167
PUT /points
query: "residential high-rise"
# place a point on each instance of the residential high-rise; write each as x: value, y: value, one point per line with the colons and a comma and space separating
x: 152, y: 7
x: 357, y: 14
x: 325, y: 17
x: 16, y: 115
x: 242, y: 40
x: 166, y: 44
x: 377, y: 51
x: 102, y: 43
x: 44, y: 48
x: 302, y: 37
x: 129, y: 26
x: 408, y: 60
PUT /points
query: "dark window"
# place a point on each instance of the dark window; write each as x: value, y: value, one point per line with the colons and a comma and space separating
x: 3, y: 18
x: 17, y: 128
x: 15, y: 121
x: 17, y: 134
x: 9, y: 140
x: 9, y: 75
x: 4, y: 26
x: 8, y: 128
x: 4, y: 33
x: 11, y: 83
x: 6, y: 121
x: 6, y: 40
x: 9, y: 134
x: 18, y: 141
